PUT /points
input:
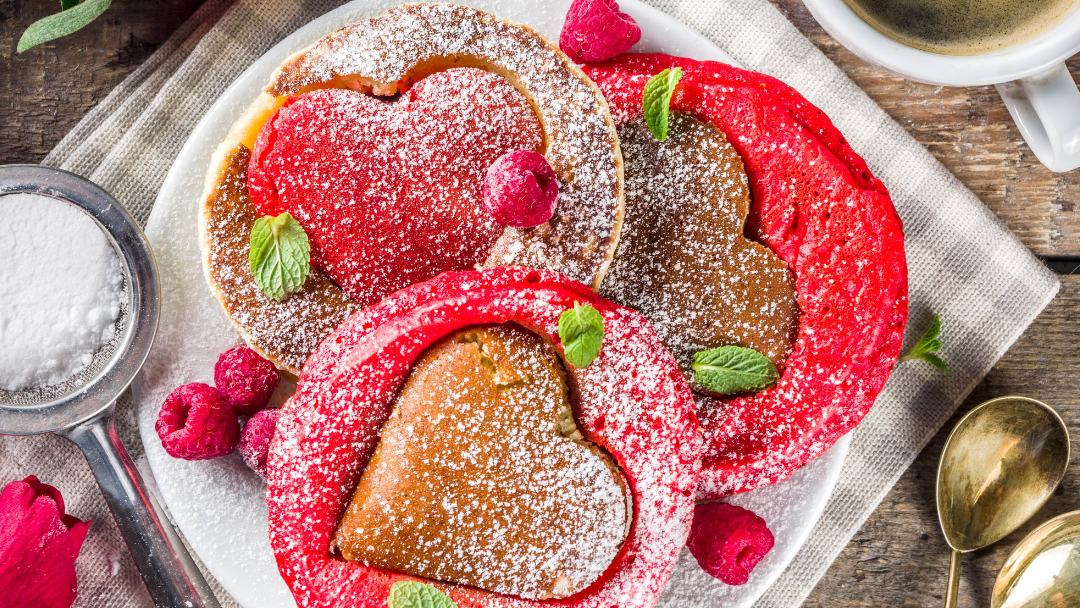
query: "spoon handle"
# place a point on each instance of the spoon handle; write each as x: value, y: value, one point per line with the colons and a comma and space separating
x: 954, y: 580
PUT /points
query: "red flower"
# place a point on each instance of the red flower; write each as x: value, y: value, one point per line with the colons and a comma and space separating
x: 38, y: 546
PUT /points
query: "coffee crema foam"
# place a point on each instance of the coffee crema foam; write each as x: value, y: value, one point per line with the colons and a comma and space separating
x: 962, y: 27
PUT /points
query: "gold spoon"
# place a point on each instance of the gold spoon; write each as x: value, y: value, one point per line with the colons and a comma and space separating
x: 999, y: 466
x: 1044, y: 569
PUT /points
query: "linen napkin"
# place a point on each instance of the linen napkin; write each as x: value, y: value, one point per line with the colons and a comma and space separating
x: 964, y: 263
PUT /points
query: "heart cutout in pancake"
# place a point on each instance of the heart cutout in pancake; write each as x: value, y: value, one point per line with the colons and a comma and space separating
x: 390, y: 192
x: 683, y: 260
x: 481, y: 478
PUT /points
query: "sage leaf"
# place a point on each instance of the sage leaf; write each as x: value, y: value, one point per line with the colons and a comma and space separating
x: 280, y: 256
x: 413, y: 594
x: 581, y: 330
x: 62, y: 23
x: 927, y: 345
x: 733, y: 369
x: 656, y: 101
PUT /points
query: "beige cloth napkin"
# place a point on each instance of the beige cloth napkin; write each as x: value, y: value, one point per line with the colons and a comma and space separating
x: 964, y: 263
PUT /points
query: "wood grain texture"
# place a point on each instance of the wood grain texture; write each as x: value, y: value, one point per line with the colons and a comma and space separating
x: 899, y: 557
x: 970, y: 132
x: 49, y: 88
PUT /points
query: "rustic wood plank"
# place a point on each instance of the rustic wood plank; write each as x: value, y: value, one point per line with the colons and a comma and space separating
x: 49, y: 88
x: 970, y: 132
x: 899, y: 557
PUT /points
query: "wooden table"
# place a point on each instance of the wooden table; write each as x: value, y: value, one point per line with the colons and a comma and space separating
x: 899, y: 558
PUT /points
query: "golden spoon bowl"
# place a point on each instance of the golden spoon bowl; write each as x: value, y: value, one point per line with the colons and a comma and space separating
x: 998, y: 468
x: 1044, y: 569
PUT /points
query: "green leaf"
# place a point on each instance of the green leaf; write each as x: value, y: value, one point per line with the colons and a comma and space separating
x: 733, y: 369
x: 581, y: 330
x: 656, y: 100
x: 928, y: 344
x: 62, y: 23
x: 412, y: 594
x: 280, y: 255
x: 66, y: 4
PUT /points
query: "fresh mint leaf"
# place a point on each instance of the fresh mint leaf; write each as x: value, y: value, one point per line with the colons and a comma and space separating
x: 656, y: 100
x: 581, y: 330
x: 733, y: 369
x: 71, y: 19
x: 934, y: 360
x: 927, y: 345
x: 280, y: 255
x: 412, y: 594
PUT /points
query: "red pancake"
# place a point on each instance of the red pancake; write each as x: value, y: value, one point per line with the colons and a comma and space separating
x: 814, y: 203
x: 389, y: 192
x: 632, y: 401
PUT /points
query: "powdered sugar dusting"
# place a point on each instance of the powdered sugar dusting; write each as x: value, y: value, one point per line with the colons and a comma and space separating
x: 683, y: 260
x: 478, y: 479
x: 581, y: 145
x: 286, y: 332
x: 818, y: 207
x: 389, y: 193
x: 329, y: 428
x: 378, y: 55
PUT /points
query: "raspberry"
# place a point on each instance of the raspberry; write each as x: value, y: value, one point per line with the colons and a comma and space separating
x: 596, y: 30
x: 728, y: 541
x: 255, y: 439
x: 520, y: 189
x: 197, y: 422
x: 246, y: 379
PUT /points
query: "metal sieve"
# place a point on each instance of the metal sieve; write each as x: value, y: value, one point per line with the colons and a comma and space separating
x: 82, y: 407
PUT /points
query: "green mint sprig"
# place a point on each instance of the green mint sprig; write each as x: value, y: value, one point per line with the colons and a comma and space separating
x: 280, y: 255
x: 656, y: 101
x: 412, y: 594
x: 581, y: 330
x: 73, y: 15
x: 733, y: 369
x: 927, y: 345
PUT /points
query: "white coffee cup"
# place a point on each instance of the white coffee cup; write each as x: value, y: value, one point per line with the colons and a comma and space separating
x: 1030, y: 77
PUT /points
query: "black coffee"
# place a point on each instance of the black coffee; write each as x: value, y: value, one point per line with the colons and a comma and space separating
x: 962, y: 27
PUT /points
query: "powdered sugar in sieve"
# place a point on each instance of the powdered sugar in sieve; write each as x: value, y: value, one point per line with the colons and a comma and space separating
x: 63, y: 300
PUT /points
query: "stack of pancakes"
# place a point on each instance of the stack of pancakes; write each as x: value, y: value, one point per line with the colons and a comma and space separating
x: 753, y: 224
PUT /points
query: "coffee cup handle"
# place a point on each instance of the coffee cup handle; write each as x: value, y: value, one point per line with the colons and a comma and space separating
x: 1046, y: 109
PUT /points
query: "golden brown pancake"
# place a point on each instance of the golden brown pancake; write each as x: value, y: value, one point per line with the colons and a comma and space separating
x: 481, y: 477
x: 383, y: 56
x: 683, y: 260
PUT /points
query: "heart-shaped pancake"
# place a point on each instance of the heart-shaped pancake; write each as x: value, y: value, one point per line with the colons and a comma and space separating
x: 631, y: 402
x: 390, y: 192
x: 482, y: 478
x: 816, y: 205
x: 387, y: 56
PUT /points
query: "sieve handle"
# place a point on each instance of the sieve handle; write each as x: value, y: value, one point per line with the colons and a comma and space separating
x: 171, y: 576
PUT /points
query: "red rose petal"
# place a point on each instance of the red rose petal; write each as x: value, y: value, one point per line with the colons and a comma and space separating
x: 38, y: 546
